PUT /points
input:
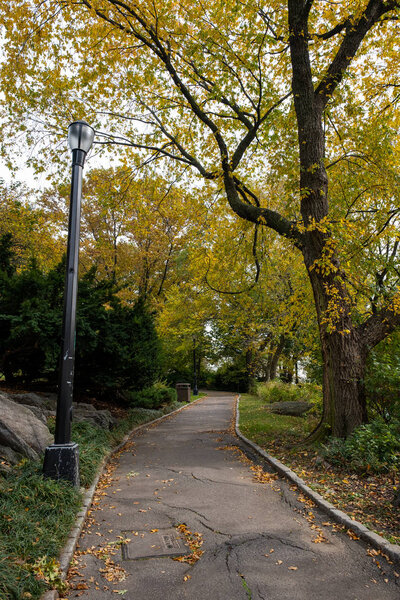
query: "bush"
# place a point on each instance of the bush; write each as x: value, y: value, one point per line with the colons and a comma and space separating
x: 371, y: 448
x: 153, y: 397
x: 116, y: 345
x: 382, y: 380
x: 277, y: 391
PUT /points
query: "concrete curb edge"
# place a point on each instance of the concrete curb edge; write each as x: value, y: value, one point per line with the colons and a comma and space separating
x: 67, y: 552
x: 377, y: 541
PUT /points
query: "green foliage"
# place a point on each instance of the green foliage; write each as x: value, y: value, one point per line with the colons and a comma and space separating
x: 6, y: 255
x: 117, y: 345
x: 153, y: 397
x: 233, y: 376
x: 30, y: 319
x: 382, y: 381
x: 277, y: 391
x: 371, y: 448
x: 266, y: 428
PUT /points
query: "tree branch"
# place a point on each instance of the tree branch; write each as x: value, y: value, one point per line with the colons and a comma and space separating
x: 379, y: 324
x: 355, y: 34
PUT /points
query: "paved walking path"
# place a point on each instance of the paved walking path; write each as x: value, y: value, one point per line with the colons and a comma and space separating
x: 260, y: 540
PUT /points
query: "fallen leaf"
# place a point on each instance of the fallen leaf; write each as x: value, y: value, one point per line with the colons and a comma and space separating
x: 292, y: 568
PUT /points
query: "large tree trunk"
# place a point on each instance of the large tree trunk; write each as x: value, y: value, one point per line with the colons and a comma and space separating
x: 342, y: 349
x: 343, y: 389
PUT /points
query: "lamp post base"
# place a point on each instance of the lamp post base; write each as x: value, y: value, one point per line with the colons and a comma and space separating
x: 61, y: 461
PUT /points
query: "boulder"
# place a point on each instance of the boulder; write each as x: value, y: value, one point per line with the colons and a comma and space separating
x: 9, y: 455
x: 45, y: 401
x: 87, y: 412
x: 293, y: 408
x: 21, y: 430
x: 40, y: 413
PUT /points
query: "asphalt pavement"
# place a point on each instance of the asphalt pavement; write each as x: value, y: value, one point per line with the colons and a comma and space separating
x: 185, y: 512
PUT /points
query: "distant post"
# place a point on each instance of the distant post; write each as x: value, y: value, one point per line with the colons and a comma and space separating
x: 61, y: 459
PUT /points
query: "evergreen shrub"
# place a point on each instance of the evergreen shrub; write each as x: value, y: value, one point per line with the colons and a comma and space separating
x: 116, y: 345
x: 153, y: 397
x: 371, y: 448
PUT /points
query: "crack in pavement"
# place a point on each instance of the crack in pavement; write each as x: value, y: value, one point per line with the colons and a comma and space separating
x: 236, y: 543
x: 260, y: 595
x: 246, y: 586
x: 216, y: 531
x: 207, y: 480
x: 185, y: 508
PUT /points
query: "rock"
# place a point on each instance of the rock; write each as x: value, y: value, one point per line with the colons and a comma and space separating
x: 51, y: 399
x: 21, y: 430
x: 87, y: 412
x: 47, y: 401
x: 294, y: 408
x: 40, y: 413
x: 9, y: 455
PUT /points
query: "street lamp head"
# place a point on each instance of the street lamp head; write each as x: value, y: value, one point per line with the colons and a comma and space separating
x: 80, y: 136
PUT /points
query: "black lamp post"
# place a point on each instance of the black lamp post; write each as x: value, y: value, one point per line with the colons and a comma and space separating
x: 61, y: 459
x: 195, y: 389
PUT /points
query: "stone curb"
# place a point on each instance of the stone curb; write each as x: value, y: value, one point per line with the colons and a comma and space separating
x: 377, y: 541
x: 67, y: 552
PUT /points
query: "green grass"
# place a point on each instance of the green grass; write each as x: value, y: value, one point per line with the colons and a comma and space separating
x: 36, y: 514
x: 266, y: 428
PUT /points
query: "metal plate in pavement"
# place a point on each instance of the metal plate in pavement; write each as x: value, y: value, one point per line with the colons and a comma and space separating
x: 158, y: 544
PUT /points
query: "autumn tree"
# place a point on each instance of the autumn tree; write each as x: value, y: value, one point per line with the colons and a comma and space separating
x: 243, y: 296
x: 33, y: 236
x: 250, y: 96
x: 134, y: 227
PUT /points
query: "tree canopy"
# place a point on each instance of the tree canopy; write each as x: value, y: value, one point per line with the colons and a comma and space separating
x: 288, y: 108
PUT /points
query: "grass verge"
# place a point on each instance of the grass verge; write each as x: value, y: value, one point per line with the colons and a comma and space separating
x: 37, y: 514
x: 364, y: 497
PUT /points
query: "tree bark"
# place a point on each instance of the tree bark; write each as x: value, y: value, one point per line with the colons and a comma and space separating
x: 343, y: 356
x: 273, y: 365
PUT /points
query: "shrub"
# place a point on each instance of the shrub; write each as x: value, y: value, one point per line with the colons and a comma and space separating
x: 371, y: 448
x: 116, y: 345
x: 153, y: 397
x: 382, y: 380
x: 277, y: 391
